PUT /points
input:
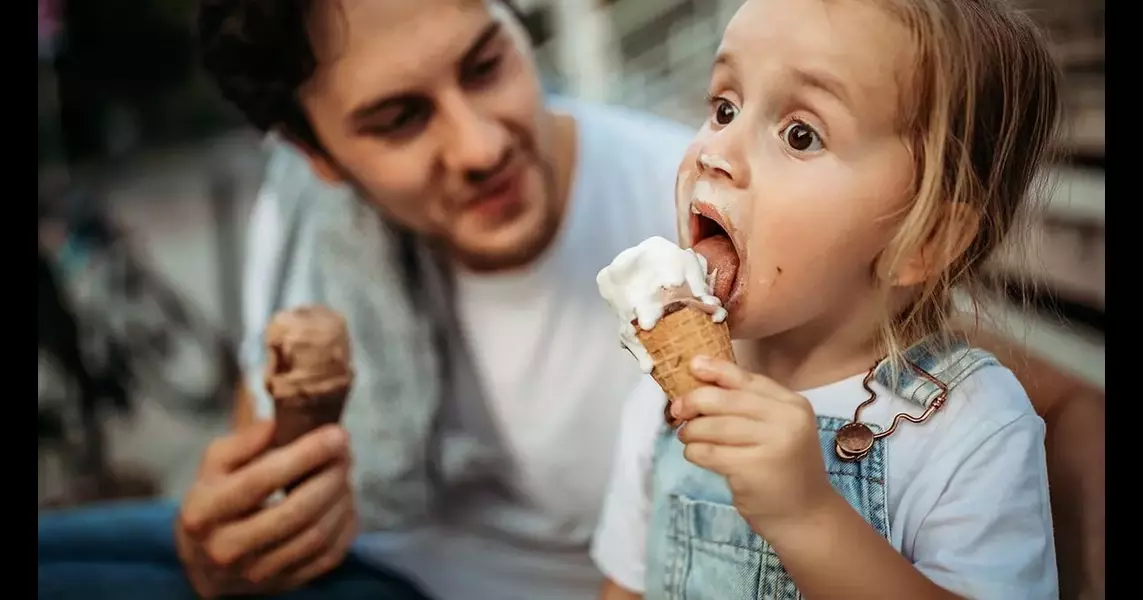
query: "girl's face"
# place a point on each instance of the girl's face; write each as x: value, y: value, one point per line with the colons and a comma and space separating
x: 800, y: 165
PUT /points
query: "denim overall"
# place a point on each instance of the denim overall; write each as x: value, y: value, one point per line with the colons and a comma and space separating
x: 700, y: 548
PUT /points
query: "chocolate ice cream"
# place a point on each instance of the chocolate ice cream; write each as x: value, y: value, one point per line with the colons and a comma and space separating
x: 309, y: 371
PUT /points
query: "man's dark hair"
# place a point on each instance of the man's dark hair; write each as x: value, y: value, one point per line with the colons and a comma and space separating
x: 259, y: 53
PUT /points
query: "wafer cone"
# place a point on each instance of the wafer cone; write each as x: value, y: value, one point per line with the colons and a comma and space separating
x: 295, y: 416
x: 308, y: 371
x: 683, y: 333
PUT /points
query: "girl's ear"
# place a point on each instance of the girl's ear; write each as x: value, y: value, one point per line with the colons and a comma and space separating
x: 948, y: 242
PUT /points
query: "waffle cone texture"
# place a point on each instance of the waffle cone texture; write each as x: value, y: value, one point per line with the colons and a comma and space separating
x: 679, y: 336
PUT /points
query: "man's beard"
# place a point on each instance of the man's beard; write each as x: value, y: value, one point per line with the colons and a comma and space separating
x: 528, y: 248
x: 483, y: 260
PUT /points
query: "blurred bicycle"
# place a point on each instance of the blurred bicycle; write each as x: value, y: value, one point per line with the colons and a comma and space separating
x: 113, y: 333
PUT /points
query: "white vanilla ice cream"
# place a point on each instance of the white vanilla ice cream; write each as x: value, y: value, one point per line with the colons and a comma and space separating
x: 643, y: 280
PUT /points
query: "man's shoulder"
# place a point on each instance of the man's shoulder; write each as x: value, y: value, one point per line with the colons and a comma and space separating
x: 292, y: 196
x: 630, y: 132
x: 628, y: 168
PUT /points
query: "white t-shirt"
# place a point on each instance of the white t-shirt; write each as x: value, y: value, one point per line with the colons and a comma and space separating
x: 967, y: 490
x: 553, y: 377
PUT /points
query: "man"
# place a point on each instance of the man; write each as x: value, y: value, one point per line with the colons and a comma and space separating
x: 459, y: 228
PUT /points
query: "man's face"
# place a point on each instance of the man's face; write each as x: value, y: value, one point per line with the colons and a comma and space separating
x: 433, y: 109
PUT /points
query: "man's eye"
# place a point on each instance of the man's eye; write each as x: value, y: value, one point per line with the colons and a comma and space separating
x: 484, y: 70
x: 405, y: 122
x: 722, y: 111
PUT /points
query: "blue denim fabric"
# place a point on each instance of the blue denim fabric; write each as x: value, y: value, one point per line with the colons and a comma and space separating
x: 124, y: 551
x: 700, y: 548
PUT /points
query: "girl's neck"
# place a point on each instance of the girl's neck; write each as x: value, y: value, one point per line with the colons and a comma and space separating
x: 811, y: 356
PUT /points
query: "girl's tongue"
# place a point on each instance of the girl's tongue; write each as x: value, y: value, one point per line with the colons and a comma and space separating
x: 721, y: 262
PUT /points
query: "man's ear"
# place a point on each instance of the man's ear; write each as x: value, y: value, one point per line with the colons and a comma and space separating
x: 320, y: 162
x: 945, y: 246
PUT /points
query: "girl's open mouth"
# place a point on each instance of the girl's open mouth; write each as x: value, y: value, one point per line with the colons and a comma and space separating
x: 710, y: 239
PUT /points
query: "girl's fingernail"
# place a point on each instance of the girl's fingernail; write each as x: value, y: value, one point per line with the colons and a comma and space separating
x: 700, y: 363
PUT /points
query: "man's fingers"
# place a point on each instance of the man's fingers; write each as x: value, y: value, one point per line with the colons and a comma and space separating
x: 288, y: 464
x: 201, y: 511
x: 721, y: 430
x: 232, y: 451
x: 727, y: 375
x: 284, y: 520
x: 713, y: 401
x: 299, y: 550
x: 328, y: 560
x: 233, y: 496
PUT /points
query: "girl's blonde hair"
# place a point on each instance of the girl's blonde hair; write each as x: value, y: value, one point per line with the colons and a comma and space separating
x: 979, y: 116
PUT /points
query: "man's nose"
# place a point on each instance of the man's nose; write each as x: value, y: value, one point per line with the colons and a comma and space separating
x: 474, y: 142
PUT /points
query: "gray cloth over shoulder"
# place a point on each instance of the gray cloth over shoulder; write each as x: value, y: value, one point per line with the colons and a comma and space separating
x: 325, y: 245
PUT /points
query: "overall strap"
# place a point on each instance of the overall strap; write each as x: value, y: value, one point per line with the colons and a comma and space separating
x: 947, y: 362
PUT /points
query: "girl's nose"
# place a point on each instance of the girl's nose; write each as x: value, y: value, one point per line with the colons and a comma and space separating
x: 721, y: 158
x: 715, y: 165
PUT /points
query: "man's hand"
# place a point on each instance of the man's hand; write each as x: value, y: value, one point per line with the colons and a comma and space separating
x: 231, y: 543
x: 759, y: 435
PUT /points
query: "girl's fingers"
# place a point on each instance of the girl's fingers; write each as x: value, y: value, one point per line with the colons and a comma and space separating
x: 721, y: 430
x: 714, y: 401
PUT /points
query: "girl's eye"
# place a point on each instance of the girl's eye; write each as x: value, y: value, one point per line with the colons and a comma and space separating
x: 801, y: 137
x: 724, y: 111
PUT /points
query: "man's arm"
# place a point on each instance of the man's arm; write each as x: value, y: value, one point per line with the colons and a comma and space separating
x: 1074, y: 412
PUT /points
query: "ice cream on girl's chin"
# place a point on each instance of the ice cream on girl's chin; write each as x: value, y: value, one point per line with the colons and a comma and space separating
x: 643, y: 281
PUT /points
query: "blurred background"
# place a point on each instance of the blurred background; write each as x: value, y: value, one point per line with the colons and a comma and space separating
x: 146, y: 178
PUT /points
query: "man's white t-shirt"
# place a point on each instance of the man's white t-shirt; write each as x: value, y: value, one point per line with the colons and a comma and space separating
x: 554, y: 378
x: 967, y: 490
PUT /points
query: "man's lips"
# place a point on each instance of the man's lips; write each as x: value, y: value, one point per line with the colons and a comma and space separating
x: 498, y: 195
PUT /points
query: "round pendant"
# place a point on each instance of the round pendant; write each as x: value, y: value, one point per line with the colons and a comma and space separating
x: 853, y: 441
x: 842, y: 454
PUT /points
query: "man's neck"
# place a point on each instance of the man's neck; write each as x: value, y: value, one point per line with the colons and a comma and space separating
x: 564, y: 147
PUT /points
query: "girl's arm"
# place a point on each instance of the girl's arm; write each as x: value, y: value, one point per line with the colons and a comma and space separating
x: 861, y: 563
x: 987, y: 536
x: 612, y: 591
x: 618, y: 547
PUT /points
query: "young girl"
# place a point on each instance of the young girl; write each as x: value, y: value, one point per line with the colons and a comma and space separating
x: 862, y: 158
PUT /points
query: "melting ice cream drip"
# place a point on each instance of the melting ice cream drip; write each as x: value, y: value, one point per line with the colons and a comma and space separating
x: 642, y: 281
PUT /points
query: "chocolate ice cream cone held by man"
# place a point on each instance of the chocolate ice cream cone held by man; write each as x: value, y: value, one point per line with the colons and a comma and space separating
x: 426, y: 190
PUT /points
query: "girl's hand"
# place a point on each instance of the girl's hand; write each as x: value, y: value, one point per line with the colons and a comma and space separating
x: 762, y: 437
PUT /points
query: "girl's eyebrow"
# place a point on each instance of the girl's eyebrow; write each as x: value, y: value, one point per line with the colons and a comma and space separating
x: 725, y: 59
x: 823, y: 81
